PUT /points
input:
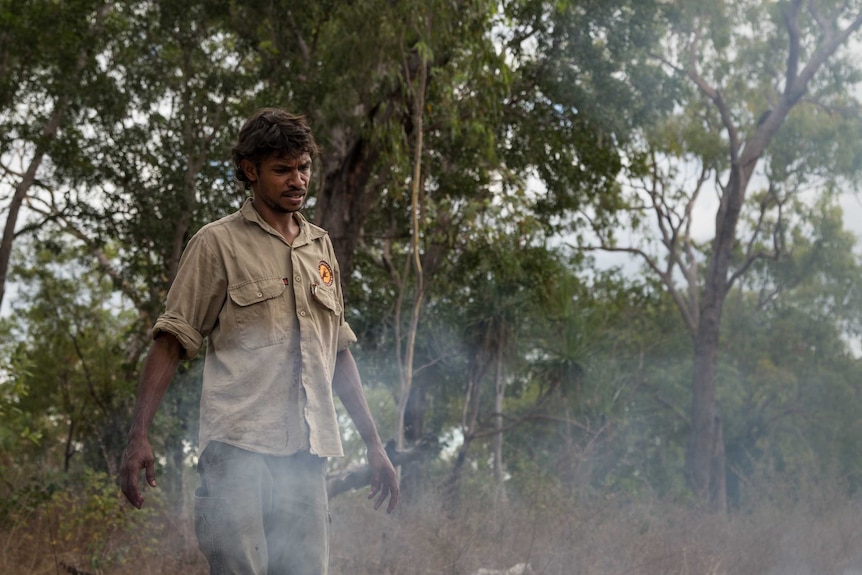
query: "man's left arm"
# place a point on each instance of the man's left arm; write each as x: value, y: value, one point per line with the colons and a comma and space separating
x: 348, y: 386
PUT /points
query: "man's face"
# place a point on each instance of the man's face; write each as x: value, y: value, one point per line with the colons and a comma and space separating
x: 280, y: 184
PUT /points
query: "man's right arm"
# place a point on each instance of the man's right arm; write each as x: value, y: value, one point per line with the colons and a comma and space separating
x: 158, y: 371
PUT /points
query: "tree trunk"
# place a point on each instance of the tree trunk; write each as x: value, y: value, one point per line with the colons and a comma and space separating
x: 469, y: 425
x: 702, y: 434
x: 452, y: 490
x: 416, y: 209
x: 12, y: 220
x: 414, y: 432
x: 718, y: 479
x: 499, y: 395
x: 700, y: 467
x: 479, y: 363
x: 23, y: 188
x: 704, y: 464
x: 348, y: 193
x: 49, y: 133
x: 346, y: 199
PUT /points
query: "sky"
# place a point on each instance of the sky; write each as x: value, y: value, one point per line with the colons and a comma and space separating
x: 852, y: 206
x: 704, y: 228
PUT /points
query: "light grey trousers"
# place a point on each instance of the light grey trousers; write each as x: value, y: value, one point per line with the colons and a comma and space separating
x: 259, y: 514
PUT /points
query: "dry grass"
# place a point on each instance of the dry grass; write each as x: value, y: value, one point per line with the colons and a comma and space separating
x: 818, y: 535
x: 600, y: 538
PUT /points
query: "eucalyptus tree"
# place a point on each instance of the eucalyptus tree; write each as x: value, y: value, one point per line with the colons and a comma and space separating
x: 513, y: 90
x: 502, y: 315
x: 66, y: 338
x: 584, y: 84
x: 498, y: 110
x: 51, y: 83
x: 147, y: 162
x: 350, y: 67
x: 405, y: 98
x: 768, y: 113
x: 163, y: 169
x: 790, y: 379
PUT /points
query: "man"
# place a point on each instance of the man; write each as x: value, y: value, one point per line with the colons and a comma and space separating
x: 263, y: 286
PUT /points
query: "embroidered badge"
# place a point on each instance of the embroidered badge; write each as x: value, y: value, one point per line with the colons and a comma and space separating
x: 325, y: 271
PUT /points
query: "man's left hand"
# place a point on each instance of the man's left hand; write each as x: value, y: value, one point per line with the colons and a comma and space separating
x: 384, y: 481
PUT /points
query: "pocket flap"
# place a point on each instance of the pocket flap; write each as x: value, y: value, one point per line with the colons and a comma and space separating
x: 255, y: 291
x: 325, y: 296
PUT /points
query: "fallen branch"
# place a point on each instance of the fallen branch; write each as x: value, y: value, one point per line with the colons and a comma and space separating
x: 359, y: 475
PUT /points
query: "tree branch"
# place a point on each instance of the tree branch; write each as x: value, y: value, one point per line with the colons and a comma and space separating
x: 791, y: 21
x: 821, y: 54
x: 715, y: 96
x: 52, y: 213
x: 359, y: 475
x: 665, y: 277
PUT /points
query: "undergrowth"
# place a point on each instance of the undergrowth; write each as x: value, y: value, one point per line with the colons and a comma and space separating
x: 88, y: 528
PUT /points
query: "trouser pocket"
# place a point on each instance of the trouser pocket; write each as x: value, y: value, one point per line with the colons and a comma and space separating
x: 209, y: 513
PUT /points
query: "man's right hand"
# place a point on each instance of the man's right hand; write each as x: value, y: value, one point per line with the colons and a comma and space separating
x: 138, y: 455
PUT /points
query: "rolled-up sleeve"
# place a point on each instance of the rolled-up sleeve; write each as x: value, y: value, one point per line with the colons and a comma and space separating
x: 196, y: 296
x: 346, y: 337
x: 188, y: 337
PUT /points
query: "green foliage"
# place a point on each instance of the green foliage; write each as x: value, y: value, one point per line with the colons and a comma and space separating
x: 85, y: 524
x: 538, y: 116
x: 585, y: 81
x: 61, y: 379
x: 791, y: 381
x: 17, y: 423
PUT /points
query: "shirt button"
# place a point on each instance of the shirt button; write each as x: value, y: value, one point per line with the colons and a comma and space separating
x: 259, y: 294
x: 297, y: 279
x: 302, y: 313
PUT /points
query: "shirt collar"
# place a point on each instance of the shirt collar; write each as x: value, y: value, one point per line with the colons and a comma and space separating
x: 308, y: 232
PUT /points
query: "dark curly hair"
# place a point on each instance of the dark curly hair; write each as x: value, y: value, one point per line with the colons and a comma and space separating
x: 271, y: 131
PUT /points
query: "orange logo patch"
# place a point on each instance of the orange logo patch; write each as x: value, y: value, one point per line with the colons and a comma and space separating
x: 325, y: 271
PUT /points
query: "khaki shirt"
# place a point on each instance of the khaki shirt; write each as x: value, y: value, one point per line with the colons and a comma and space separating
x: 274, y: 317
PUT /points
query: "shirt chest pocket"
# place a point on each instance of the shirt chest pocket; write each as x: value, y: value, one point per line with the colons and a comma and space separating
x: 326, y: 297
x: 262, y: 313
